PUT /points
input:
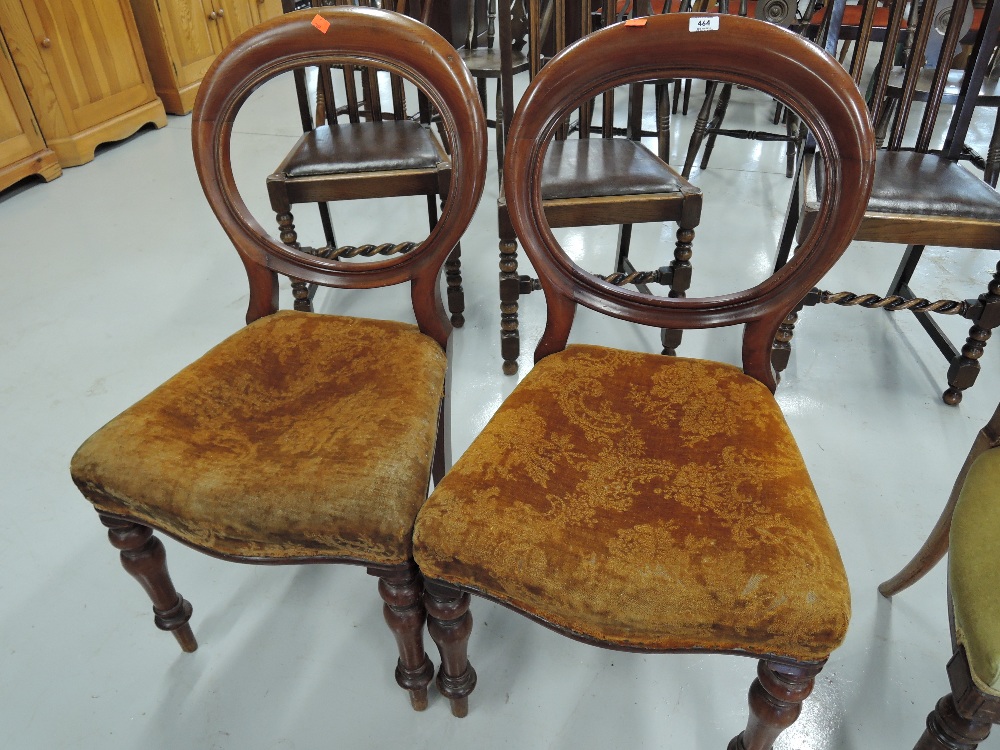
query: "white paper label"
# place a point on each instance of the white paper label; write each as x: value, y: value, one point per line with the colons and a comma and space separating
x: 704, y: 23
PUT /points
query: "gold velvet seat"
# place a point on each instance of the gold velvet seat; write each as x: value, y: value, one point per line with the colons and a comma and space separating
x: 302, y: 438
x: 645, y: 501
x: 298, y: 437
x: 968, y: 530
x: 642, y: 502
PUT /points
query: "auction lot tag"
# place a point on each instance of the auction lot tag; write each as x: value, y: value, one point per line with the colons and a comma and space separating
x: 704, y: 23
x: 323, y: 25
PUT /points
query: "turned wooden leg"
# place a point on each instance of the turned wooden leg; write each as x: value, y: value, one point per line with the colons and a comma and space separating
x: 963, y: 718
x: 662, y: 99
x: 947, y: 729
x: 781, y: 350
x: 510, y: 284
x: 300, y: 289
x: 964, y: 368
x: 450, y: 625
x: 401, y: 589
x: 775, y: 702
x: 456, y: 295
x: 717, y: 119
x: 680, y: 282
x: 144, y: 558
x: 700, y: 125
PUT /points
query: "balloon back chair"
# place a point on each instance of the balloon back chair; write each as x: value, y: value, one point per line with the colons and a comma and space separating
x: 649, y: 503
x: 969, y: 531
x: 296, y: 440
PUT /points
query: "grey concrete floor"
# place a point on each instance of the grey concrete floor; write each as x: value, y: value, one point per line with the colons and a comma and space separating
x: 117, y: 275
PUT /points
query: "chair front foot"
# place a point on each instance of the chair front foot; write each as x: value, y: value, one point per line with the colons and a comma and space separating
x: 964, y: 368
x: 947, y: 729
x: 143, y: 557
x: 401, y: 589
x: 450, y: 625
x: 775, y: 702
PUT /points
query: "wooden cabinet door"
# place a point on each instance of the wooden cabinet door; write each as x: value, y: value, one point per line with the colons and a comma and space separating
x: 235, y: 17
x: 19, y: 137
x: 192, y: 38
x: 268, y: 9
x: 93, y: 58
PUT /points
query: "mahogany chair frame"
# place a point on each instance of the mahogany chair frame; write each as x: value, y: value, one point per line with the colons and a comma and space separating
x: 963, y: 718
x: 743, y: 51
x: 916, y: 229
x: 682, y: 206
x: 390, y: 181
x: 358, y: 35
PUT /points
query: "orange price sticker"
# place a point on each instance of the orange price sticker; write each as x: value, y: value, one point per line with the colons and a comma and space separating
x: 636, y: 22
x: 321, y: 23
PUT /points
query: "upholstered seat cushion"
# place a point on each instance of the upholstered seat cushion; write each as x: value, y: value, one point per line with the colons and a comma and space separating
x: 946, y: 188
x: 300, y: 436
x: 362, y: 147
x: 592, y: 167
x: 646, y: 501
x: 973, y: 568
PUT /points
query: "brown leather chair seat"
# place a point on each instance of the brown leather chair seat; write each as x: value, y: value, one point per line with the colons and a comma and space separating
x: 362, y: 147
x: 592, y: 167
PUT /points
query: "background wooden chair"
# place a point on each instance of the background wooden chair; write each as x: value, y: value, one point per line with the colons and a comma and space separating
x: 360, y: 147
x: 708, y: 128
x: 594, y: 181
x: 650, y: 503
x: 493, y: 50
x: 970, y: 526
x: 922, y: 195
x: 263, y: 451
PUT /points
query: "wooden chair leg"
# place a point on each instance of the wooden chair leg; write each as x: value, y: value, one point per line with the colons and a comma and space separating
x: 963, y: 718
x: 450, y: 625
x: 717, y: 119
x: 401, y: 589
x: 781, y: 350
x: 456, y: 294
x: 680, y: 282
x: 964, y: 368
x: 947, y: 729
x: 700, y: 125
x: 300, y: 288
x: 661, y: 93
x: 144, y: 558
x: 775, y: 702
x: 510, y: 291
x: 791, y: 146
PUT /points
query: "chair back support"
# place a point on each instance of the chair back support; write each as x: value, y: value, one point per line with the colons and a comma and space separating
x: 356, y: 36
x: 911, y: 38
x: 743, y: 51
x: 358, y: 105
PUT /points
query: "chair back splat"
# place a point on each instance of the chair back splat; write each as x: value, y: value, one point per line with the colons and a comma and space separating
x: 356, y: 36
x: 808, y: 81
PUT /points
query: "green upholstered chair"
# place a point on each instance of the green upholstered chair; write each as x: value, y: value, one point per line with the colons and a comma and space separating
x: 643, y: 502
x: 297, y: 439
x: 970, y: 527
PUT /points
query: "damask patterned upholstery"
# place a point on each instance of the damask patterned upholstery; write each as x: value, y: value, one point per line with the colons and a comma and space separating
x: 649, y: 502
x: 973, y: 567
x: 295, y: 437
